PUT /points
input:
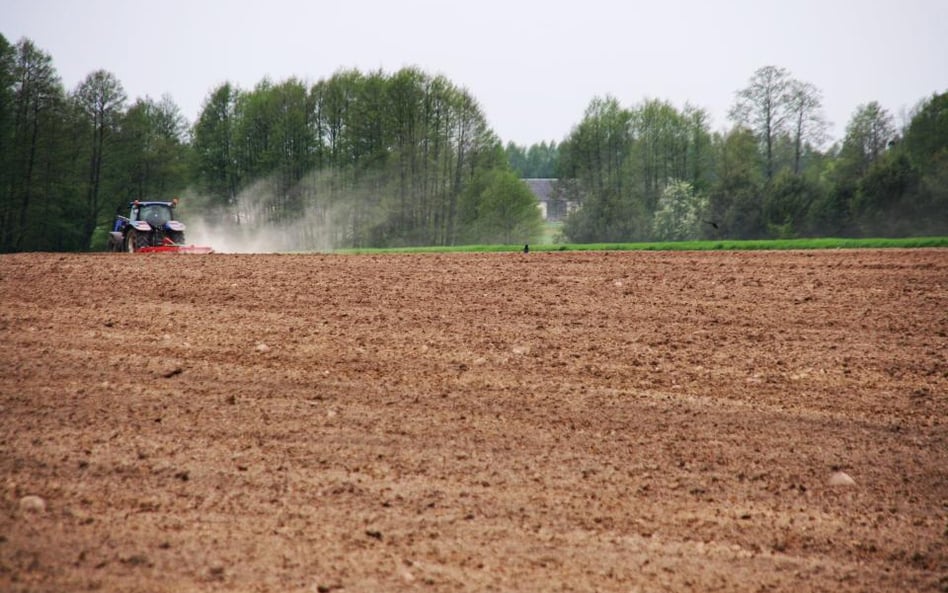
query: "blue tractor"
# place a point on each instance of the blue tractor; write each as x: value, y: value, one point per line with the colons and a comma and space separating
x: 150, y: 227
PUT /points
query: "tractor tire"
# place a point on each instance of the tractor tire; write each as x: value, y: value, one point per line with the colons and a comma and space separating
x: 134, y: 241
x: 177, y: 237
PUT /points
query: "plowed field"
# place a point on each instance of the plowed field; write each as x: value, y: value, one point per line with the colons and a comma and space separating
x: 475, y: 422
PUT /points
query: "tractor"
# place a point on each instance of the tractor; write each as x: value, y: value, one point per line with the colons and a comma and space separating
x: 150, y: 227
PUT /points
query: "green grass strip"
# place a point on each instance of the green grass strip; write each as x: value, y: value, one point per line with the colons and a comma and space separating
x: 726, y: 245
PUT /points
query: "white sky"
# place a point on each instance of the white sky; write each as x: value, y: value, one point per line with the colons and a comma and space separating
x: 532, y: 65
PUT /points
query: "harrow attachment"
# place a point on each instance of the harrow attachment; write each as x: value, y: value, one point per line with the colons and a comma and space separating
x: 169, y: 246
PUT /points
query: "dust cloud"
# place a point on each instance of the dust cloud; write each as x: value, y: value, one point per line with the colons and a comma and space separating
x: 315, y: 215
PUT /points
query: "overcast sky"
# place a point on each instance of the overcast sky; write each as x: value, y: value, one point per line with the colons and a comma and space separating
x: 532, y: 65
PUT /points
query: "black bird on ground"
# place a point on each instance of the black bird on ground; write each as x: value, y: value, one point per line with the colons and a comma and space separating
x: 526, y: 248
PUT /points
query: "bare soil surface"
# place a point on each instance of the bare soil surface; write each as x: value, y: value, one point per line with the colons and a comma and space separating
x: 475, y: 422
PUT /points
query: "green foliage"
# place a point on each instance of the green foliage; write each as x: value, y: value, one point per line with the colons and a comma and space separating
x: 36, y: 154
x: 100, y: 101
x: 499, y: 208
x: 622, y: 160
x: 829, y: 215
x: 788, y: 203
x: 931, y: 203
x: 895, y: 187
x: 868, y: 134
x: 539, y: 161
x: 762, y: 106
x: 680, y: 213
x: 356, y: 159
x: 408, y: 159
x: 926, y: 142
x: 151, y: 151
x: 735, y: 205
x: 926, y: 139
x: 883, y: 194
x: 214, y: 156
x: 7, y: 130
x: 784, y: 114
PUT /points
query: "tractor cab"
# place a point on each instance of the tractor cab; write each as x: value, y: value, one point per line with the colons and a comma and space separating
x: 154, y: 214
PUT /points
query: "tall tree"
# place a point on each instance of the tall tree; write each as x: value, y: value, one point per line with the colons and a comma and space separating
x: 152, y: 152
x: 101, y: 98
x: 37, y: 96
x: 882, y: 203
x: 218, y: 175
x: 762, y: 106
x: 666, y: 144
x: 736, y: 194
x: 808, y: 125
x: 500, y: 208
x: 868, y: 134
x: 357, y: 159
x: 7, y: 134
x: 623, y: 159
x: 406, y: 92
x: 700, y: 154
x: 927, y: 135
x: 926, y: 144
x: 258, y: 152
x: 517, y: 157
x: 293, y: 142
x: 597, y: 154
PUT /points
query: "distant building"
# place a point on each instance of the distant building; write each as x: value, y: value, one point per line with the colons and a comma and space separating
x: 551, y: 207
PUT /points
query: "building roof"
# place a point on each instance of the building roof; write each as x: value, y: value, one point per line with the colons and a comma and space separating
x: 541, y: 188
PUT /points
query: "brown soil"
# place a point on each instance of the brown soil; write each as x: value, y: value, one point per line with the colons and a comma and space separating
x: 455, y: 422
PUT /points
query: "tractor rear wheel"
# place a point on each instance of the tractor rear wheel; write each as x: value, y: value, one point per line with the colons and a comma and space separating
x: 134, y: 241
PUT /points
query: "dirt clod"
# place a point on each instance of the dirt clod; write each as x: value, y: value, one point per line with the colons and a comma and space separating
x: 172, y: 372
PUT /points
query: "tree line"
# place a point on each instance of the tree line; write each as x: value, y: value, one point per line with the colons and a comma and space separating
x: 376, y: 159
x: 68, y: 159
x: 538, y: 161
x: 657, y: 172
x: 358, y: 159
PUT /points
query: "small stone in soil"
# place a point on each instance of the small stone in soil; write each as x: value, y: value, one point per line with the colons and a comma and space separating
x: 32, y: 504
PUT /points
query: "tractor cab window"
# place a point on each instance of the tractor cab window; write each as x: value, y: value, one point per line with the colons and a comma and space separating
x: 154, y: 214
